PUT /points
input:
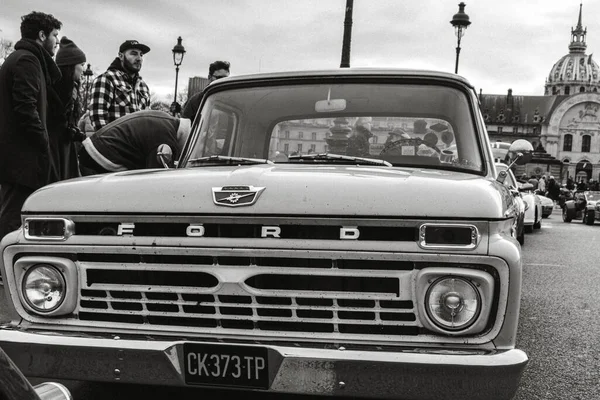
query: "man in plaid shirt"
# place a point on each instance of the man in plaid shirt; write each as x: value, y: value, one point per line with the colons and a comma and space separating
x: 120, y: 90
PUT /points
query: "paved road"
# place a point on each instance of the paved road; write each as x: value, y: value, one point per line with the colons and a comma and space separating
x: 559, y: 324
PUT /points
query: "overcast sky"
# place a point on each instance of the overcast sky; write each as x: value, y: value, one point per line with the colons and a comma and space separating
x: 510, y: 43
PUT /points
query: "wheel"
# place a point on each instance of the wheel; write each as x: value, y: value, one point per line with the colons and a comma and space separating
x: 589, y: 217
x: 528, y: 228
x: 565, y: 215
x: 538, y: 222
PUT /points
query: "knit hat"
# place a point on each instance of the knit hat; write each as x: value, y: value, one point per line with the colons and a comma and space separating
x: 68, y: 53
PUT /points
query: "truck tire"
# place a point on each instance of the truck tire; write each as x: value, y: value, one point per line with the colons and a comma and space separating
x: 589, y: 217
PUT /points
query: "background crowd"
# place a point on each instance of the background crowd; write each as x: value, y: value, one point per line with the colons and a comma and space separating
x: 45, y: 134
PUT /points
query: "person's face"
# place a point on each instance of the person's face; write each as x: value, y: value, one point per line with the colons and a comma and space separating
x: 132, y: 60
x: 218, y: 74
x: 49, y: 42
x: 78, y: 72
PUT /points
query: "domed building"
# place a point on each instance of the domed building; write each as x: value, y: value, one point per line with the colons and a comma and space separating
x: 575, y: 72
x: 564, y: 124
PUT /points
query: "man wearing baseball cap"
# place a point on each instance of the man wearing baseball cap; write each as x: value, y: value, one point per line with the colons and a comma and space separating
x: 120, y: 90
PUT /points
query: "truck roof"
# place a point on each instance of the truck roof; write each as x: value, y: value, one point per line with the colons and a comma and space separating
x: 345, y: 72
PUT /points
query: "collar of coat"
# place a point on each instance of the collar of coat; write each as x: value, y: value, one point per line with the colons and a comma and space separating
x: 51, y: 70
x: 116, y: 65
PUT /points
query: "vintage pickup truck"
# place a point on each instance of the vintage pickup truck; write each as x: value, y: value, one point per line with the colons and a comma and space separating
x: 340, y: 232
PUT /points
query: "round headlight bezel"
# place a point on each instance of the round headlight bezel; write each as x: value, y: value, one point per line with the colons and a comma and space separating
x: 62, y: 282
x: 453, y: 297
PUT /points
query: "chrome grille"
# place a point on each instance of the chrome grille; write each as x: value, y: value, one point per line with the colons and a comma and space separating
x: 292, y: 314
x: 348, y: 303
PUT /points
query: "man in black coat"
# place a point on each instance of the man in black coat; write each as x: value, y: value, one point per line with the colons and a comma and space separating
x: 25, y: 161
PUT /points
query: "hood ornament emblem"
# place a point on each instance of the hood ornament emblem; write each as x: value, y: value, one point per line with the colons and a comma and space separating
x: 236, y: 196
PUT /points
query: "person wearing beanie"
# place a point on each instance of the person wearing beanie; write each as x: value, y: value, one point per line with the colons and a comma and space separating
x: 68, y: 53
x: 120, y: 90
x: 65, y: 109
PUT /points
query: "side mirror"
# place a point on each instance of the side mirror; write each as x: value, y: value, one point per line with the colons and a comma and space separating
x: 523, y: 150
x: 521, y: 146
x: 523, y: 158
x: 164, y: 155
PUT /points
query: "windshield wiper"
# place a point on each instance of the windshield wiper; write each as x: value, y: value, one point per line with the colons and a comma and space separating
x: 228, y: 160
x: 331, y: 156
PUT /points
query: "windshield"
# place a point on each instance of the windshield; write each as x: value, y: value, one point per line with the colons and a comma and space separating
x: 404, y: 125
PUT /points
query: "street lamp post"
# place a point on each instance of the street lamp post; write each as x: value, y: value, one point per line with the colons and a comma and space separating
x: 178, y: 53
x: 88, y: 74
x: 460, y: 22
x: 347, y: 35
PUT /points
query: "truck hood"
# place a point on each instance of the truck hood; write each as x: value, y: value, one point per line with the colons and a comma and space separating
x: 326, y: 190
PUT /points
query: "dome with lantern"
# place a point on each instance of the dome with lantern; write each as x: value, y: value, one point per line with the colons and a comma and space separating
x: 575, y: 72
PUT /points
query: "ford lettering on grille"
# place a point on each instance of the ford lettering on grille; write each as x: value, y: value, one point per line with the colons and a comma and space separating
x: 236, y: 196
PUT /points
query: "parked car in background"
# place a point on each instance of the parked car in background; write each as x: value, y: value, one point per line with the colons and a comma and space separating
x: 356, y: 267
x: 533, y: 207
x: 547, y: 205
x: 584, y: 205
x: 513, y: 185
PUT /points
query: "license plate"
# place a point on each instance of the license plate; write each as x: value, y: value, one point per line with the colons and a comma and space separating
x: 224, y: 365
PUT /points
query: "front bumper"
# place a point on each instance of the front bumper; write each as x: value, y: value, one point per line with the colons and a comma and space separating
x: 401, y: 373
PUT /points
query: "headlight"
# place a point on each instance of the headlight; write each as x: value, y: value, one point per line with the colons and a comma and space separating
x: 453, y: 303
x: 43, y: 287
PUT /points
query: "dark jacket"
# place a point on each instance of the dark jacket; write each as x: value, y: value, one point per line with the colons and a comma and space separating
x: 131, y: 141
x: 190, y: 108
x: 24, y: 144
x: 553, y: 189
x: 62, y: 119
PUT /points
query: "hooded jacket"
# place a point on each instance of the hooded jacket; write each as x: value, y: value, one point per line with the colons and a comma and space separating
x: 115, y: 94
x: 24, y: 145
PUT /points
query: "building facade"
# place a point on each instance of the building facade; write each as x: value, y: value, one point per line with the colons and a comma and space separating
x: 563, y: 124
x: 196, y: 84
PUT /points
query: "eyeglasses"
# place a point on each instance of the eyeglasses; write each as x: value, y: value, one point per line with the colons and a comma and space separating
x: 215, y: 77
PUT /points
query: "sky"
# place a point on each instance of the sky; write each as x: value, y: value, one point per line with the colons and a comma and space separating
x: 509, y: 44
